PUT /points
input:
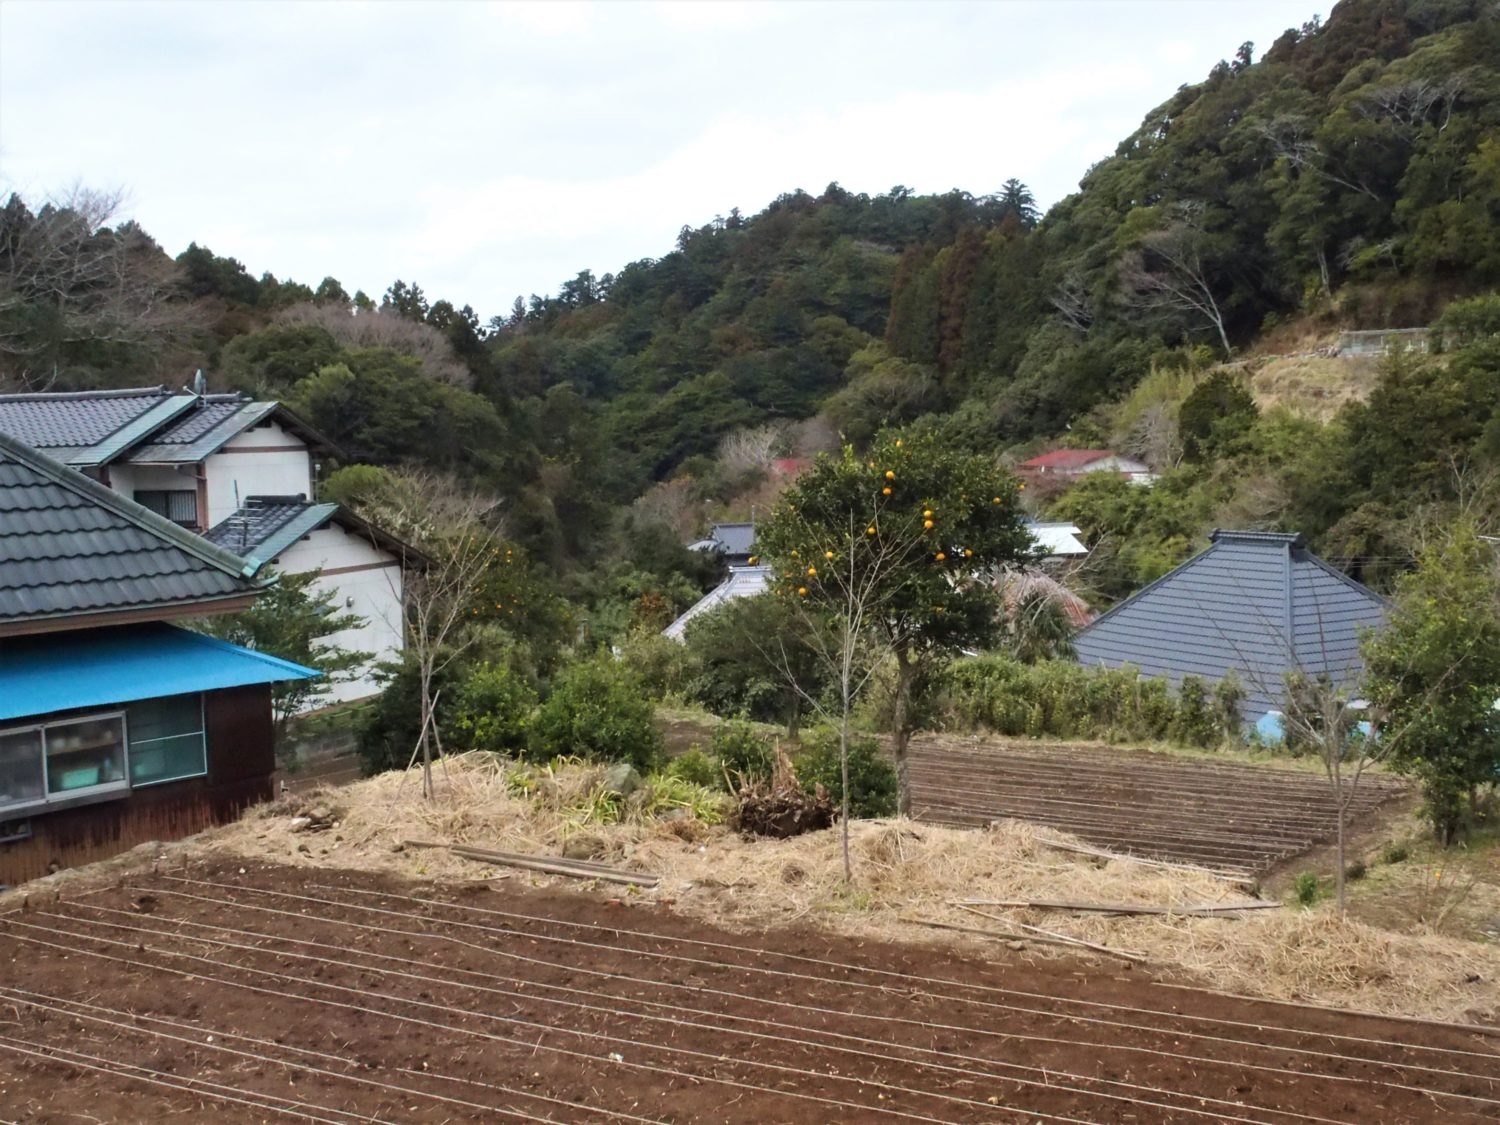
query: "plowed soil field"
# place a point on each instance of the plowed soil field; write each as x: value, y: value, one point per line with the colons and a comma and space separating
x: 247, y: 993
x: 1225, y: 815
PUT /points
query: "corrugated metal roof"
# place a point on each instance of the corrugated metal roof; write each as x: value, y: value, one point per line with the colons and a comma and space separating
x: 70, y: 547
x: 743, y: 582
x: 1255, y: 603
x: 62, y: 671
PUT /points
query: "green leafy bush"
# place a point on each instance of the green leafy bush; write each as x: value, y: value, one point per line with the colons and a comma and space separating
x: 598, y: 711
x: 1307, y: 889
x: 491, y: 709
x: 698, y: 768
x: 744, y: 750
x: 1061, y: 699
x: 663, y: 666
x: 872, y: 776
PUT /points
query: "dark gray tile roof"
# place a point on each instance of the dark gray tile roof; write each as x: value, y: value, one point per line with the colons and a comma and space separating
x: 147, y: 425
x: 201, y: 431
x: 66, y: 425
x: 1256, y: 603
x: 71, y: 548
x: 268, y: 525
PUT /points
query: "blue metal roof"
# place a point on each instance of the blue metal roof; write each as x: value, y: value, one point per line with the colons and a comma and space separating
x: 102, y: 667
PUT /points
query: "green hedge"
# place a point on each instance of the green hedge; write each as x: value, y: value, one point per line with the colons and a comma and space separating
x: 1062, y: 699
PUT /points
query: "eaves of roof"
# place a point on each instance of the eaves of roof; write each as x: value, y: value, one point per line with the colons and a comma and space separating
x: 190, y: 453
x: 305, y: 522
x: 138, y: 430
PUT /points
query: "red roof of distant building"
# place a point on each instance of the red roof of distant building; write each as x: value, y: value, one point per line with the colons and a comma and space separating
x: 1068, y: 458
x: 791, y: 466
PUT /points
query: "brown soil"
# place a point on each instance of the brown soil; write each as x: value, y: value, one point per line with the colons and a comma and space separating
x: 247, y: 991
x: 1225, y: 815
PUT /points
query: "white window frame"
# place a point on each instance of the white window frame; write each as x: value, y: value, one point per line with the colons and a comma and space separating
x: 103, y: 789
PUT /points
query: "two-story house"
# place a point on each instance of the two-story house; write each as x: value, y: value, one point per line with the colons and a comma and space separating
x: 242, y: 473
x: 116, y: 725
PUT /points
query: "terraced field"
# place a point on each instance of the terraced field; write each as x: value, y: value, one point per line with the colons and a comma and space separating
x: 1224, y: 815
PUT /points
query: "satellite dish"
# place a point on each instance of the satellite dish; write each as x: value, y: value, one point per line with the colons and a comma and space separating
x: 200, y: 384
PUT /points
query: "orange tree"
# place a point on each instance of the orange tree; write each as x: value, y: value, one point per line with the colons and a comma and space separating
x: 893, y: 551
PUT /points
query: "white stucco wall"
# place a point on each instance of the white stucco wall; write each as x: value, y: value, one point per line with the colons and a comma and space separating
x: 129, y: 479
x: 373, y: 592
x: 257, y: 462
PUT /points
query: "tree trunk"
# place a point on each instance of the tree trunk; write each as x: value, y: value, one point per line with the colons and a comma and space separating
x: 901, y: 722
x: 1339, y: 879
x: 422, y: 738
x: 844, y: 770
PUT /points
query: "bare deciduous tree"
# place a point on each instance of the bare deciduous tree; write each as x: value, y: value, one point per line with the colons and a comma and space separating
x: 1073, y: 301
x: 67, y: 278
x: 1168, y: 273
x: 1156, y: 437
x: 385, y: 328
x: 454, y: 534
x: 750, y: 449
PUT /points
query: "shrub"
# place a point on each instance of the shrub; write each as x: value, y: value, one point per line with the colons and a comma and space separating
x: 389, y: 728
x: 1394, y: 853
x: 1193, y: 724
x: 1061, y: 699
x: 744, y: 750
x: 597, y: 710
x: 1356, y: 871
x: 663, y: 666
x: 491, y: 709
x: 664, y: 793
x: 872, y: 776
x: 1306, y: 888
x: 698, y: 768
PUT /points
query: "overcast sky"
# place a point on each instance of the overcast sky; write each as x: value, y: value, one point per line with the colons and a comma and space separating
x: 490, y: 150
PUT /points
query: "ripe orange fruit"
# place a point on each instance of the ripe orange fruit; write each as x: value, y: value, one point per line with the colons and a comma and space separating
x: 802, y: 591
x: 890, y: 474
x: 886, y: 491
x: 941, y: 557
x: 927, y: 524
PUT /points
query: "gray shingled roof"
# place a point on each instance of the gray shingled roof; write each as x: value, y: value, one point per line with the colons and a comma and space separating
x: 201, y: 431
x: 70, y: 548
x: 267, y: 525
x: 147, y: 425
x: 1257, y: 603
x: 87, y: 427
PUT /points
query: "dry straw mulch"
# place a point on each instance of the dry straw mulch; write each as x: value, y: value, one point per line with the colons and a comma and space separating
x: 903, y: 870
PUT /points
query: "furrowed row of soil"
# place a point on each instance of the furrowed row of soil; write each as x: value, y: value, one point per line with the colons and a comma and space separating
x: 1222, y: 815
x: 260, y: 992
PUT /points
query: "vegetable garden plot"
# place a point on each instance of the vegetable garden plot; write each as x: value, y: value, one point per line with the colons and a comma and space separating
x: 1221, y: 815
x: 270, y: 993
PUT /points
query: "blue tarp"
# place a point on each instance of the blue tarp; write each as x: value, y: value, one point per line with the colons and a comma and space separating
x: 101, y: 667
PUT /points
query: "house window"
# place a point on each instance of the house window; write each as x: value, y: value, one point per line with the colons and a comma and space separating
x: 85, y: 755
x: 180, y: 505
x: 166, y: 739
x: 21, y: 777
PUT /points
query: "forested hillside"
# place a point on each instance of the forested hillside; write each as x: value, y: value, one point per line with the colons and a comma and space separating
x: 1349, y: 177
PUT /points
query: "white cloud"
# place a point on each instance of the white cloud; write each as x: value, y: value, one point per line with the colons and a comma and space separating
x: 490, y: 150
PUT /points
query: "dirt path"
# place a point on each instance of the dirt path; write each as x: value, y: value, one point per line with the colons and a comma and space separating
x: 250, y: 992
x: 1224, y: 815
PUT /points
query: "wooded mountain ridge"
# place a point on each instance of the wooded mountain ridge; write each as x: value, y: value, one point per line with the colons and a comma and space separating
x: 1350, y: 177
